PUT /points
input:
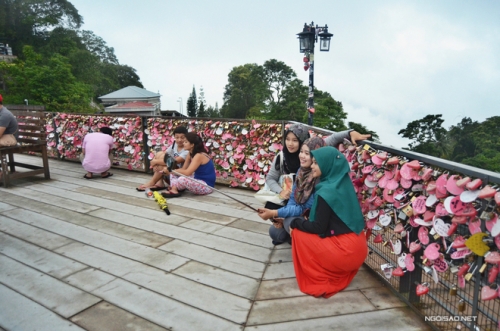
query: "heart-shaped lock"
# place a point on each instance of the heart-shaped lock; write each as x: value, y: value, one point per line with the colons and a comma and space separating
x: 414, y: 165
x: 423, y: 235
x: 376, y: 160
x: 392, y: 161
x: 452, y: 187
x: 492, y: 257
x: 401, y: 260
x: 441, y: 183
x: 458, y: 242
x: 459, y: 219
x: 378, y: 239
x: 428, y: 216
x: 385, y: 219
x: 432, y: 251
x: 497, y: 240
x: 387, y: 270
x: 440, y: 264
x: 486, y: 192
x: 487, y: 293
x: 370, y: 224
x: 468, y: 196
x: 426, y: 174
x: 440, y: 210
x: 493, y: 274
x: 491, y: 223
x: 460, y: 254
x: 409, y: 262
x: 452, y: 229
x: 422, y: 289
x: 414, y: 247
x: 418, y: 205
x: 397, y: 246
x: 431, y: 187
x: 398, y: 272
x: 447, y: 204
x: 476, y: 245
x: 497, y: 198
x: 474, y: 185
x: 475, y: 226
x: 461, y: 281
x: 431, y: 200
x: 407, y: 172
x: 372, y: 214
x: 461, y: 182
x: 495, y: 230
x: 441, y: 227
x: 399, y: 228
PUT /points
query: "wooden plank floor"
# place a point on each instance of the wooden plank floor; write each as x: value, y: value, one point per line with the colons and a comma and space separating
x: 79, y: 254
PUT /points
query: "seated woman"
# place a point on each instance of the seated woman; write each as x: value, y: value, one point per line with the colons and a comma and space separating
x: 301, y: 198
x: 330, y: 246
x: 198, y: 165
x: 287, y: 162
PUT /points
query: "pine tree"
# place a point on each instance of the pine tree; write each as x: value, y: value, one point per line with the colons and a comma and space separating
x: 201, y: 104
x: 192, y: 104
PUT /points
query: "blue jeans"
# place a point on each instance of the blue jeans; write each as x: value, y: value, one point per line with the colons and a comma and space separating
x: 282, y: 235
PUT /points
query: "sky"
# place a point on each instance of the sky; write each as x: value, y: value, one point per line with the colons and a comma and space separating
x: 390, y: 62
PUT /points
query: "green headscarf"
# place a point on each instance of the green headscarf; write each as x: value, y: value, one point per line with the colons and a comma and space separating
x: 335, y: 187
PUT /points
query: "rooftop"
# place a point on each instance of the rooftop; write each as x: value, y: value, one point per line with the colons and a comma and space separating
x: 131, y: 92
x: 79, y: 254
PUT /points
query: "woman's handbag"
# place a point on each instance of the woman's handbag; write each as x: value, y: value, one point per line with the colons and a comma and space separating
x: 285, y: 181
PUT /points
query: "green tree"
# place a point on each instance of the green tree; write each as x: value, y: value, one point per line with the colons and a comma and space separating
x: 245, y: 90
x: 462, y: 138
x: 48, y: 82
x: 428, y: 135
x: 362, y: 129
x: 27, y: 22
x: 192, y: 104
x: 487, y: 140
x: 329, y: 113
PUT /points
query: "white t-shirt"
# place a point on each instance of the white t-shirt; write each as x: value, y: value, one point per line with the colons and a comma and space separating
x: 174, y: 152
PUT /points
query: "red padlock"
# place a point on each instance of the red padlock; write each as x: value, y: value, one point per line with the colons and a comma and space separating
x: 463, y: 269
x: 422, y: 289
x: 492, y: 274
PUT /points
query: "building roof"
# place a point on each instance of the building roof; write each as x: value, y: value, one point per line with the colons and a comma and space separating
x: 131, y: 92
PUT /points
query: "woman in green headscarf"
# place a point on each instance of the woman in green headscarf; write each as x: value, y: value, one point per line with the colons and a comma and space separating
x: 330, y: 246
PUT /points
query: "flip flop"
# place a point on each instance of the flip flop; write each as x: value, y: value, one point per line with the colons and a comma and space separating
x: 85, y: 176
x: 153, y: 188
x: 109, y: 174
x: 170, y: 195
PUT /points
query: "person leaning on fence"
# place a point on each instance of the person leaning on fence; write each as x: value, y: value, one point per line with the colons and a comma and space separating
x: 199, y: 169
x: 176, y: 151
x: 8, y: 126
x: 97, y: 153
x: 330, y: 246
x: 301, y: 199
x: 294, y: 137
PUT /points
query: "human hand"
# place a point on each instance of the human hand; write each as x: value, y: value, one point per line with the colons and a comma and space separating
x: 355, y: 135
x: 265, y: 213
x: 285, y: 194
x: 291, y: 229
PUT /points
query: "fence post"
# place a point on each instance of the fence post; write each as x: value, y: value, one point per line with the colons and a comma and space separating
x: 147, y: 163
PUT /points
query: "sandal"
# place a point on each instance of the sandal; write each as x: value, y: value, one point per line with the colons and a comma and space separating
x: 170, y: 194
x: 108, y: 174
x: 86, y: 177
x: 143, y: 188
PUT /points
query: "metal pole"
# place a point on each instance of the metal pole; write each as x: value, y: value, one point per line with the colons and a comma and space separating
x: 310, y: 100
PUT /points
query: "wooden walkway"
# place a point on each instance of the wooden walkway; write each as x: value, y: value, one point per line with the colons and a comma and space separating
x: 79, y: 254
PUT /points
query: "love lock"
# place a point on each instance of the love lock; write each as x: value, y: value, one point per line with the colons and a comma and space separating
x: 422, y: 289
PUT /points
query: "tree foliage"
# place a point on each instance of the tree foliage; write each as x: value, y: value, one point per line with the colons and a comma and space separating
x: 51, y: 29
x: 192, y: 104
x: 428, y: 135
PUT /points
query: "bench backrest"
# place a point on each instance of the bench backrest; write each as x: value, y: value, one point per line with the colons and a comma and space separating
x: 31, y: 126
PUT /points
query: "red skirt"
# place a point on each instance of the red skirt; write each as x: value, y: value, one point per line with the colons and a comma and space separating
x: 325, y: 266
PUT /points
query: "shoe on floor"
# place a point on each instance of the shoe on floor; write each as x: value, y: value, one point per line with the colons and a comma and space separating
x: 108, y: 174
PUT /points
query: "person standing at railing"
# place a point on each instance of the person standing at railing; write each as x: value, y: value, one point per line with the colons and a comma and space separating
x: 329, y: 246
x: 8, y: 126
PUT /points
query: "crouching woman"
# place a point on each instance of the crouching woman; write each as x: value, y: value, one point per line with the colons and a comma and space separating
x: 330, y: 246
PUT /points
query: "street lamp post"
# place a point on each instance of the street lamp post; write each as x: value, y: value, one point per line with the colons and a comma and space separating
x: 307, y: 38
x: 180, y: 105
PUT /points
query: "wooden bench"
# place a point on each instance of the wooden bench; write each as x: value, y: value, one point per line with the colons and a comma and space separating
x: 31, y: 138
